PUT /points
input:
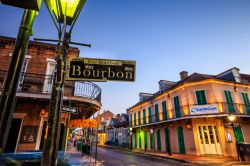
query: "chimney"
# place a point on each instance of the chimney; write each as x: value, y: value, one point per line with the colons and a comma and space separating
x: 183, y: 75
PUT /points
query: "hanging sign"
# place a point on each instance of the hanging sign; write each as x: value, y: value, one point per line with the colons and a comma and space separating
x: 204, y: 109
x: 85, y: 123
x: 88, y: 69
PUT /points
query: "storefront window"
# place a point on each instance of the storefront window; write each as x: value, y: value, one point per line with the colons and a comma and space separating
x: 200, y: 134
x: 211, y: 134
x: 205, y: 134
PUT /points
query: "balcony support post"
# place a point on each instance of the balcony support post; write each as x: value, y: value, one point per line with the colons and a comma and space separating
x: 11, y: 81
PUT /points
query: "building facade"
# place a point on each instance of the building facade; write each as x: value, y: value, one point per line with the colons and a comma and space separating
x: 117, y: 130
x: 103, y: 118
x: 191, y: 116
x: 28, y: 130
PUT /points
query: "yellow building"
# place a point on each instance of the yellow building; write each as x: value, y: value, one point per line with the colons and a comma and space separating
x: 191, y: 116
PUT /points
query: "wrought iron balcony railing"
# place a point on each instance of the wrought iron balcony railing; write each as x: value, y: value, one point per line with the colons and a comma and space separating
x: 37, y: 83
x: 184, y: 111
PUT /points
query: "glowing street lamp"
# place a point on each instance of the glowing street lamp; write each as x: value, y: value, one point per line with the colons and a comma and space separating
x: 64, y: 14
x: 231, y: 118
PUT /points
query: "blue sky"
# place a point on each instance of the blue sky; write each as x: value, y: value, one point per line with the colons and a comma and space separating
x: 165, y: 37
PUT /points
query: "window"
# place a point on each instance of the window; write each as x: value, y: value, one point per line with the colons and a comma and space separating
x: 150, y: 114
x: 201, y: 97
x: 156, y: 113
x: 230, y: 103
x: 135, y: 119
x: 139, y: 117
x: 144, y: 116
x: 177, y: 107
x: 164, y: 110
x: 246, y: 102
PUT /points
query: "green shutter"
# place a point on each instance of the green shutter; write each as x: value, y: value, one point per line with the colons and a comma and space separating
x: 145, y: 140
x: 151, y: 141
x: 156, y: 113
x: 181, y: 143
x: 201, y: 97
x: 167, y: 143
x: 144, y: 116
x: 150, y: 114
x: 130, y: 120
x: 238, y: 134
x: 164, y: 110
x: 158, y: 135
x: 134, y: 119
x: 177, y: 107
x: 135, y: 140
x: 139, y: 117
x: 230, y: 103
x: 139, y: 136
x: 246, y: 102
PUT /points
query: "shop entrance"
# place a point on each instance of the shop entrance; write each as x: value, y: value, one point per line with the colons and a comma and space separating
x: 209, y: 139
x: 13, y: 135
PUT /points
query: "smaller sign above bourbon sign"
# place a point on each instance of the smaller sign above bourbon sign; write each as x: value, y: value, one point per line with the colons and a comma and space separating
x: 87, y: 69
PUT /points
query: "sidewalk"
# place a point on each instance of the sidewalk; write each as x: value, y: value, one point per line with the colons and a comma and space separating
x: 202, y: 160
x: 74, y: 157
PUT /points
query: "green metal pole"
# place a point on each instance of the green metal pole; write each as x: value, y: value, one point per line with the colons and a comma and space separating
x: 11, y: 81
x: 54, y: 115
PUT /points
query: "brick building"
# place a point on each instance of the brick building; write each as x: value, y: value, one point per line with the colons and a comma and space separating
x: 28, y: 129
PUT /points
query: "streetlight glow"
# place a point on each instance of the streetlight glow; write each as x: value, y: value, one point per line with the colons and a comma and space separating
x: 231, y: 118
x: 65, y: 8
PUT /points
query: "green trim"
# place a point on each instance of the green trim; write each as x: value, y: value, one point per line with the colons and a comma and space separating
x: 135, y: 119
x: 201, y: 97
x: 246, y: 102
x: 139, y: 117
x: 164, y: 110
x: 238, y: 134
x: 230, y: 102
x: 139, y: 136
x: 181, y: 143
x: 177, y: 107
x: 156, y: 113
x: 167, y: 143
x: 151, y: 141
x: 149, y: 114
x: 158, y: 137
x: 145, y: 140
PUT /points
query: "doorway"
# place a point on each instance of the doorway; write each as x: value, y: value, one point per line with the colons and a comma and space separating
x: 12, y: 141
x: 209, y: 139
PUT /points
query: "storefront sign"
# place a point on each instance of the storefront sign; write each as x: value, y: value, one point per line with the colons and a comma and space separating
x: 204, y: 109
x: 85, y: 123
x: 87, y: 69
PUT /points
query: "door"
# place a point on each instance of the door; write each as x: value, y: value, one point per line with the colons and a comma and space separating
x: 209, y: 139
x: 13, y: 135
x: 145, y: 140
x: 181, y: 143
x: 167, y: 141
x: 158, y: 137
x: 48, y: 82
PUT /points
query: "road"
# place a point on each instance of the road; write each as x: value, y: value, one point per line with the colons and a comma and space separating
x: 116, y: 157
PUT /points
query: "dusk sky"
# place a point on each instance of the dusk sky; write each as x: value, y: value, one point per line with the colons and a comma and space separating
x: 164, y: 37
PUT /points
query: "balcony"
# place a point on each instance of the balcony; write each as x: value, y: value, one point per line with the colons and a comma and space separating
x: 42, y: 84
x: 195, y: 111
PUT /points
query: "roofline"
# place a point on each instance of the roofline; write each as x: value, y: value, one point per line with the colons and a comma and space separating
x: 182, y: 84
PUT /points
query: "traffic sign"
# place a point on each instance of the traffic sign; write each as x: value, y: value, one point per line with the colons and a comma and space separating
x: 69, y: 109
x: 88, y: 69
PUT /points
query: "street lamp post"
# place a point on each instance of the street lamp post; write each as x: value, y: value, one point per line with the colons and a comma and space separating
x: 64, y: 14
x: 8, y: 95
x: 131, y: 133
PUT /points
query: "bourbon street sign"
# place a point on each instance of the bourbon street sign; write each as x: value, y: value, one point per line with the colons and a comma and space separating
x: 88, y: 69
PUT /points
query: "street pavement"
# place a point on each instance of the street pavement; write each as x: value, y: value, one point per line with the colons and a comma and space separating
x: 116, y: 157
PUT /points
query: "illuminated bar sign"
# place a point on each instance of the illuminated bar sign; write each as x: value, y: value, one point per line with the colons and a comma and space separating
x: 88, y: 69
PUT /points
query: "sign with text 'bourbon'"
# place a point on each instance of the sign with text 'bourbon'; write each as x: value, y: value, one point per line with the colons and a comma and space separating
x: 88, y: 69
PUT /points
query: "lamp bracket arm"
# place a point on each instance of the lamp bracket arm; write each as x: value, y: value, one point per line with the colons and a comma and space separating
x: 80, y: 44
